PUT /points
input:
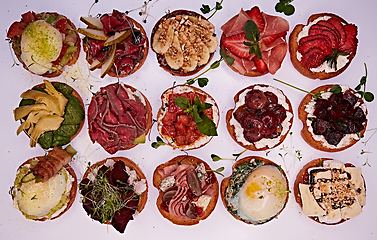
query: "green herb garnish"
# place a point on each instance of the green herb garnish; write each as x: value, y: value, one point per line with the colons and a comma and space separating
x: 216, y: 158
x: 218, y: 171
x: 159, y: 142
x: 368, y: 96
x: 204, y: 81
x: 206, y: 9
x: 252, y: 34
x: 204, y: 124
x: 334, y: 89
x: 285, y: 7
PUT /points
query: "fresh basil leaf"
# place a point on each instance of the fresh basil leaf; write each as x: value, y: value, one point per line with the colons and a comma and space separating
x: 335, y: 89
x: 182, y: 102
x: 251, y: 31
x: 249, y: 44
x: 197, y: 117
x: 201, y: 106
x: 207, y: 126
x: 202, y: 82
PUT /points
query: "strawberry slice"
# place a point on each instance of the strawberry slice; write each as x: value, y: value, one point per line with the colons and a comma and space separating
x: 260, y: 64
x: 236, y: 45
x: 256, y: 16
x: 269, y: 39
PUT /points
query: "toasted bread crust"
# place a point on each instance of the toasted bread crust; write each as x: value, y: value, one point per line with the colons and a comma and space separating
x: 231, y: 128
x: 161, y: 57
x: 225, y: 181
x: 301, y: 179
x: 170, y: 141
x: 71, y: 61
x: 133, y: 166
x: 308, y: 137
x: 72, y: 193
x: 157, y: 179
x: 137, y: 66
x: 293, y: 48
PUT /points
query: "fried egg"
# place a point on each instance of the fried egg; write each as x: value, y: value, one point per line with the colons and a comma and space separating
x: 263, y: 194
x: 41, y: 44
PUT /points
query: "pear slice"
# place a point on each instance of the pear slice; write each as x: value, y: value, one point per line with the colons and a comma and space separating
x: 93, y: 33
x: 140, y: 139
x: 92, y: 22
x: 95, y: 64
x: 117, y: 37
x: 106, y: 66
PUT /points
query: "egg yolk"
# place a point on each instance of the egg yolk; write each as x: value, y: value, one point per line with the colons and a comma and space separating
x: 251, y: 189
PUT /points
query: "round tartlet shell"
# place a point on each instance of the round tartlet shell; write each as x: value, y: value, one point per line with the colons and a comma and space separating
x: 299, y: 179
x: 138, y: 65
x: 133, y: 166
x: 72, y: 60
x: 231, y: 128
x: 157, y: 179
x: 72, y: 194
x: 178, y: 72
x: 303, y: 116
x: 293, y: 47
x: 225, y: 182
x: 149, y: 114
x: 74, y: 93
x: 160, y: 112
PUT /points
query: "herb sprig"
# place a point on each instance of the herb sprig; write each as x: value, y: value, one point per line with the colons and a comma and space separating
x: 216, y: 158
x: 334, y: 89
x: 204, y: 124
x: 368, y: 96
x: 202, y: 81
x: 206, y: 8
x: 159, y: 142
x: 252, y: 34
x: 285, y: 7
x: 218, y: 171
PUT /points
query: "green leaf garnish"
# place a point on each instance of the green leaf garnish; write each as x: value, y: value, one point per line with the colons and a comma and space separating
x: 252, y: 34
x: 332, y: 59
x: 159, y: 142
x: 368, y: 96
x: 202, y: 82
x: 204, y: 124
x: 206, y: 9
x: 285, y: 7
x: 216, y: 158
x: 218, y: 171
x: 335, y: 89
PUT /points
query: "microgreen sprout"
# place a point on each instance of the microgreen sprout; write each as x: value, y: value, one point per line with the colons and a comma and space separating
x: 285, y: 7
x: 206, y: 8
x: 368, y: 96
x: 367, y: 161
x: 204, y: 81
x: 218, y: 171
x: 159, y: 142
x: 216, y: 158
x: 334, y: 89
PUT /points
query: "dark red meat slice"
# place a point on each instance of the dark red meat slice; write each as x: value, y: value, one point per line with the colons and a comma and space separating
x: 29, y: 17
x: 118, y: 176
x: 330, y: 26
x: 95, y: 47
x: 61, y: 25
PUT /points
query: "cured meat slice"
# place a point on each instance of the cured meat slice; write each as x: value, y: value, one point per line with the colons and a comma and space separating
x: 236, y: 24
x: 274, y: 25
x: 318, y: 42
x: 327, y: 24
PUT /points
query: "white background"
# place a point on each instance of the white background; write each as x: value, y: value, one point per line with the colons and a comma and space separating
x: 223, y: 84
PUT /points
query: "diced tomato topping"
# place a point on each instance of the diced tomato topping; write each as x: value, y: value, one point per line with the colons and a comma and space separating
x: 180, y: 128
x: 169, y: 130
x: 28, y: 17
x: 61, y: 25
x: 169, y: 118
x: 184, y: 119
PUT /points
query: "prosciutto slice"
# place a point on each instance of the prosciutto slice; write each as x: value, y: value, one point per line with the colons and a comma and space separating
x: 115, y: 120
x: 273, y: 52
